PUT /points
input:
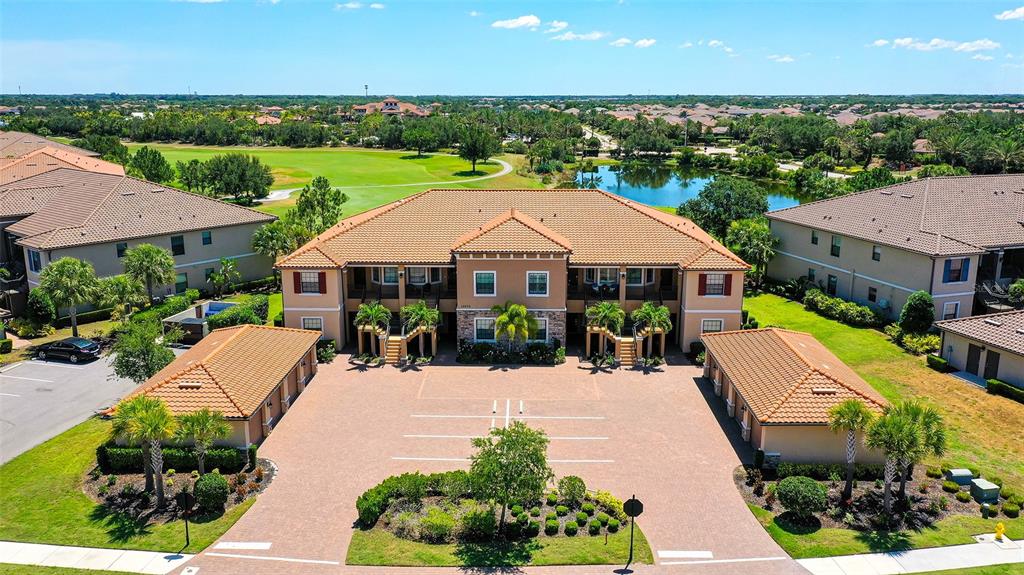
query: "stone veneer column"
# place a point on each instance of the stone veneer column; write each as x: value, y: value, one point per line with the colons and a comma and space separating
x: 465, y: 325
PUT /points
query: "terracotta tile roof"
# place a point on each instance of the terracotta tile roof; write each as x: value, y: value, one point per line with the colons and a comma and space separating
x: 232, y: 370
x: 515, y: 232
x: 598, y: 227
x: 71, y: 208
x: 1003, y: 330
x: 47, y: 159
x: 953, y: 215
x: 787, y: 377
x: 18, y: 144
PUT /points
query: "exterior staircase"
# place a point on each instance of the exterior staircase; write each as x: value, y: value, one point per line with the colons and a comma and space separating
x: 627, y: 351
x: 393, y: 350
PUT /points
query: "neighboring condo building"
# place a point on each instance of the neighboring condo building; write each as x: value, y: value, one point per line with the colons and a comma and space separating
x: 958, y: 238
x: 987, y: 346
x: 555, y: 251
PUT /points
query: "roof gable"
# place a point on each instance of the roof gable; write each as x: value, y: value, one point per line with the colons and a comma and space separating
x: 1003, y: 330
x: 512, y: 231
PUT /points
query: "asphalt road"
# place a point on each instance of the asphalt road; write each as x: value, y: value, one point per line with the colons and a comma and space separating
x: 41, y: 399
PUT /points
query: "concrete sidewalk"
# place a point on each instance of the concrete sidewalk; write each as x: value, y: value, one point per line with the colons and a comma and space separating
x: 986, y: 552
x: 90, y: 558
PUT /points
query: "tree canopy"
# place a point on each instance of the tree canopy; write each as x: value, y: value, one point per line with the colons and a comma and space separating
x: 723, y: 201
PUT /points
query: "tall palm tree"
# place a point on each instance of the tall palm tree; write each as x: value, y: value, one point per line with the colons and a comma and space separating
x: 224, y: 277
x: 606, y: 314
x: 150, y: 265
x: 69, y: 283
x: 853, y: 417
x: 654, y: 317
x: 273, y: 240
x: 121, y: 293
x: 514, y: 323
x: 1006, y: 152
x: 896, y: 436
x: 373, y: 314
x: 421, y: 315
x: 155, y: 424
x: 123, y: 426
x: 203, y: 427
x: 931, y: 436
x: 953, y: 146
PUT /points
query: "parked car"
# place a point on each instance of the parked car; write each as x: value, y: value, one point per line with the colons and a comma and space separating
x: 73, y: 349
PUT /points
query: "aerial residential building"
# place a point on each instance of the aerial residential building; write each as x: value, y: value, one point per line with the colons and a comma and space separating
x: 958, y: 238
x: 19, y: 144
x: 555, y: 251
x: 390, y: 106
x: 986, y: 346
x: 47, y: 159
x: 779, y: 385
x: 96, y: 217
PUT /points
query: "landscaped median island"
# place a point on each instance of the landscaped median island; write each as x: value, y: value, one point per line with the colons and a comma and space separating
x: 502, y: 512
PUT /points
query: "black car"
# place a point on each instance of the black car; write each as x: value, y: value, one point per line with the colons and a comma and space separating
x: 73, y: 349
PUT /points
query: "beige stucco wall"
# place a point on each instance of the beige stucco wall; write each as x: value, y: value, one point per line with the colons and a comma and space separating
x: 510, y: 282
x: 696, y: 308
x: 1011, y: 366
x: 326, y: 306
x: 813, y: 444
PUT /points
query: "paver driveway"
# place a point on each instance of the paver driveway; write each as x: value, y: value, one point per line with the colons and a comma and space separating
x: 656, y: 435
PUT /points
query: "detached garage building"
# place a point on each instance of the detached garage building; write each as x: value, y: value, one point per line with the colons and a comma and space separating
x: 987, y: 346
x: 250, y: 373
x: 779, y: 386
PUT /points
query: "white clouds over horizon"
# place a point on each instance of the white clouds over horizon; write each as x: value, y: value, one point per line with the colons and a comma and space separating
x: 1015, y: 14
x: 937, y: 44
x: 556, y: 26
x: 782, y: 59
x: 571, y: 36
x: 621, y: 42
x: 645, y: 42
x: 528, y: 21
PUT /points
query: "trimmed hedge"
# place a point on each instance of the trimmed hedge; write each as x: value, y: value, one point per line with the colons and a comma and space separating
x: 169, y: 307
x: 116, y: 459
x: 413, y: 486
x: 937, y: 363
x: 822, y: 471
x: 252, y: 311
x: 841, y: 310
x: 211, y: 492
x: 6, y: 345
x: 996, y: 387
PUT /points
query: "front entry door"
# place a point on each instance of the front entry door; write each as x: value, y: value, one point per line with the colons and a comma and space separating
x: 991, y: 365
x: 973, y: 358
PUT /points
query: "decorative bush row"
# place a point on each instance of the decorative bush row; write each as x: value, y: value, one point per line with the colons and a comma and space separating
x: 86, y: 317
x: 116, y: 459
x: 841, y: 310
x: 413, y: 486
x: 169, y: 307
x: 822, y: 471
x: 937, y: 363
x: 253, y: 311
x: 996, y: 387
x: 491, y: 353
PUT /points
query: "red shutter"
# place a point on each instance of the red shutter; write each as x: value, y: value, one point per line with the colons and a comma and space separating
x: 728, y: 284
x: 321, y: 278
x: 702, y: 284
x: 297, y: 281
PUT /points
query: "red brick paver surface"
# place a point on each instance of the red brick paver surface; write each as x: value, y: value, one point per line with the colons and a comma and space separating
x: 656, y: 435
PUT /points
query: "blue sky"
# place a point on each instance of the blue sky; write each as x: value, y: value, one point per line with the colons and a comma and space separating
x: 512, y: 48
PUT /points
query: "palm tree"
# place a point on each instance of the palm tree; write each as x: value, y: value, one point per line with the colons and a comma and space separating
x: 150, y: 265
x: 273, y: 240
x: 1006, y: 152
x: 953, y: 146
x: 373, y: 314
x: 514, y: 322
x: 155, y: 424
x: 420, y: 315
x: 606, y: 314
x: 655, y: 317
x: 224, y: 277
x: 69, y: 283
x: 122, y: 294
x: 896, y: 436
x: 203, y: 427
x: 853, y: 417
x: 931, y: 436
x: 123, y: 426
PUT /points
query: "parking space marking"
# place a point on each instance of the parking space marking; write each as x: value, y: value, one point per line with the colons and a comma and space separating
x: 253, y: 545
x: 25, y: 378
x: 553, y: 438
x: 269, y: 558
x: 399, y: 458
x: 685, y: 555
x: 508, y: 411
x: 714, y: 561
x: 52, y: 364
x: 10, y: 394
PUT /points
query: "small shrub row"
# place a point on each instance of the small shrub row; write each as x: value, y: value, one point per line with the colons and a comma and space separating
x: 841, y: 310
x: 116, y: 459
x: 823, y: 471
x: 937, y: 363
x: 996, y: 387
x: 86, y: 317
x: 493, y: 353
x: 411, y: 486
x: 169, y: 307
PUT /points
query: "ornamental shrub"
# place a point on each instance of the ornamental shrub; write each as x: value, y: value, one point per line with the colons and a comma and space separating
x: 121, y: 460
x: 918, y: 344
x: 571, y: 529
x: 1011, y: 509
x: 937, y: 363
x: 6, y: 345
x: 535, y: 511
x: 595, y: 527
x: 211, y: 491
x: 582, y: 518
x: 552, y: 498
x: 562, y: 510
x: 801, y: 496
x: 551, y: 515
x: 437, y: 525
x: 997, y: 387
x: 479, y: 524
x: 613, y: 525
x: 841, y: 310
x: 39, y: 308
x: 963, y: 496
x: 551, y: 527
x: 588, y: 508
x: 918, y: 313
x: 603, y: 518
x: 950, y: 486
x: 611, y: 504
x: 532, y: 529
x: 572, y: 489
x: 933, y: 472
x: 516, y: 510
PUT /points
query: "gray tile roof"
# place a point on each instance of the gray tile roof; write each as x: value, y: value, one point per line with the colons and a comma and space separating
x: 18, y: 144
x: 68, y: 207
x: 935, y: 216
x: 1003, y: 330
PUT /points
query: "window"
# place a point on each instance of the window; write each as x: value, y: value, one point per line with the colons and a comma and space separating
x: 375, y: 275
x: 178, y: 245
x: 810, y: 274
x: 180, y: 283
x: 876, y: 253
x: 537, y: 284
x: 837, y: 244
x: 207, y: 237
x: 872, y: 294
x: 634, y: 276
x: 814, y: 237
x: 602, y: 276
x: 542, y: 330
x: 955, y: 270
x: 207, y: 273
x: 951, y: 310
x: 483, y: 284
x: 391, y: 275
x: 313, y: 323
x: 121, y: 248
x: 711, y: 325
x: 417, y: 276
x: 309, y: 282
x: 435, y: 275
x: 833, y: 285
x: 484, y: 329
x: 35, y: 262
x: 715, y: 284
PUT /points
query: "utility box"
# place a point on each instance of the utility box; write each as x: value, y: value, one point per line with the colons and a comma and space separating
x: 960, y: 476
x: 984, y: 491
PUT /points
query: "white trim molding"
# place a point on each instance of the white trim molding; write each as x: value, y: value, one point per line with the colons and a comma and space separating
x: 547, y: 283
x: 958, y: 294
x: 712, y: 310
x: 215, y: 260
x: 338, y: 308
x: 495, y: 284
x: 849, y: 272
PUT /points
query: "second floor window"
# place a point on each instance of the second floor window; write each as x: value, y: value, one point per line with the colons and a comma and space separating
x: 178, y: 245
x: 814, y: 237
x: 484, y: 283
x: 601, y: 276
x: 537, y: 283
x: 207, y: 237
x: 418, y: 276
x: 313, y: 323
x: 876, y: 253
x: 837, y: 244
x: 715, y: 284
x: 955, y: 270
x: 35, y: 261
x: 122, y: 247
x: 390, y: 275
x: 309, y: 282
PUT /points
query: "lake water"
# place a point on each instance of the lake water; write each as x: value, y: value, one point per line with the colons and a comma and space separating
x: 663, y: 186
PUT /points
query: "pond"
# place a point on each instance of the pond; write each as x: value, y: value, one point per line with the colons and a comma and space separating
x: 657, y: 185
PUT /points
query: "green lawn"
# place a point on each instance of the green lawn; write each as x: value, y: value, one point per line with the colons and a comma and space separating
x: 380, y: 547
x: 983, y: 429
x: 42, y: 501
x: 1007, y: 569
x: 827, y: 542
x: 276, y: 304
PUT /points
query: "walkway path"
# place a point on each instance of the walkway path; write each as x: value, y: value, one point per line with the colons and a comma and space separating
x: 986, y: 552
x: 505, y: 169
x: 90, y: 558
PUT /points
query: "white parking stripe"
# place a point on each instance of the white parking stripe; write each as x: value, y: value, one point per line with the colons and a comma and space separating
x: 242, y: 545
x: 711, y: 561
x: 467, y: 459
x: 685, y: 555
x: 52, y: 364
x: 25, y: 378
x: 553, y: 438
x: 460, y: 416
x: 508, y: 410
x: 10, y: 395
x: 268, y: 558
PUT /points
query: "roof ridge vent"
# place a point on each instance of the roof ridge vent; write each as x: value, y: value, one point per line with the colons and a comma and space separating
x: 996, y: 323
x: 886, y: 192
x: 824, y: 390
x: 907, y: 196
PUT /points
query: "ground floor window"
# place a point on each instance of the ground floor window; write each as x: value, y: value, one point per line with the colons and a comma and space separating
x: 872, y: 294
x: 207, y: 273
x: 35, y: 262
x: 484, y: 329
x: 542, y: 330
x: 601, y: 275
x: 711, y: 325
x: 951, y: 310
x: 180, y: 283
x: 833, y: 285
x: 810, y: 274
x: 313, y: 323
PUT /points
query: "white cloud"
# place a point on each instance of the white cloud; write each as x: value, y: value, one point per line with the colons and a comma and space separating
x: 879, y: 43
x: 569, y: 36
x: 621, y: 42
x: 981, y: 57
x: 939, y: 44
x: 1015, y: 14
x: 902, y: 41
x: 645, y: 42
x: 528, y: 21
x: 556, y: 26
x: 715, y: 44
x: 348, y: 6
x: 686, y: 44
x: 785, y: 59
x: 377, y: 6
x: 473, y: 13
x: 974, y: 46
